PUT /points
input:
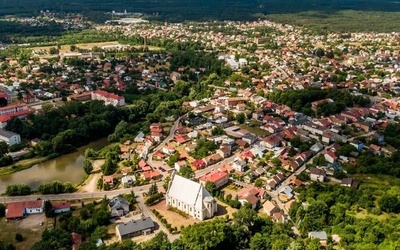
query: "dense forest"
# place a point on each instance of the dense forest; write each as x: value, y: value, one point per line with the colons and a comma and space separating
x: 326, y: 15
x: 300, y: 100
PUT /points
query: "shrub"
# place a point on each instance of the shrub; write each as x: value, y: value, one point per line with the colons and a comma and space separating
x: 19, y: 237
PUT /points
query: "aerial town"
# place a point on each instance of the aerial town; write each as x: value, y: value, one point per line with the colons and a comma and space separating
x: 257, y: 116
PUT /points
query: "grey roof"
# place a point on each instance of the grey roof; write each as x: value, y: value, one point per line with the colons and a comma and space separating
x: 318, y: 235
x: 119, y: 203
x: 134, y: 226
x: 6, y: 133
x: 317, y: 171
x: 317, y: 147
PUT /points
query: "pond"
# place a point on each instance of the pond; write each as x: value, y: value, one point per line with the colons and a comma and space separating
x: 64, y: 168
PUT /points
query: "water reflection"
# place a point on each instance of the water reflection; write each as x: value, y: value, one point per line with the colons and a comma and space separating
x: 64, y: 168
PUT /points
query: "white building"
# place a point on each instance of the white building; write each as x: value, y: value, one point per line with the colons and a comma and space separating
x: 9, y: 137
x: 232, y: 63
x: 108, y: 98
x: 190, y: 197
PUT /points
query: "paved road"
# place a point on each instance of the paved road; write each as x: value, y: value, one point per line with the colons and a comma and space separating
x: 201, y: 172
x: 77, y: 196
x: 162, y: 144
x: 148, y: 213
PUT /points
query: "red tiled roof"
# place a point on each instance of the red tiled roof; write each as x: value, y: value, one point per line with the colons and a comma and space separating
x: 76, y: 240
x: 214, y: 176
x: 61, y: 205
x: 16, y: 209
x: 107, y: 94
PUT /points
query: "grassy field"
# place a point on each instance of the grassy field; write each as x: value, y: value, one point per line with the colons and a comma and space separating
x: 29, y: 228
x: 255, y: 130
x: 66, y: 48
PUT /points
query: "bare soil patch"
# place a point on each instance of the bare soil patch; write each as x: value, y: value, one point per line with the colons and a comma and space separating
x: 173, y: 218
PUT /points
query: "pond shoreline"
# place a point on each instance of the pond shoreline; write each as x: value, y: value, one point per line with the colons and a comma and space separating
x: 64, y: 168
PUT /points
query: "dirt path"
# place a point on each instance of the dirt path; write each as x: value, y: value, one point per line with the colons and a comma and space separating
x: 90, y: 185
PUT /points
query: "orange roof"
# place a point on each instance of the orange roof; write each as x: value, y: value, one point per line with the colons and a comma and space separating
x: 16, y: 209
x: 108, y: 95
x: 61, y: 205
x: 214, y: 176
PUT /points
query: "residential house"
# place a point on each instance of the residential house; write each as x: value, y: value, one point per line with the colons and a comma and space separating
x: 119, y: 206
x: 317, y: 147
x: 279, y: 218
x: 315, y: 128
x: 287, y: 191
x: 199, y: 164
x: 212, y: 159
x: 357, y: 144
x: 239, y: 165
x: 250, y: 138
x: 321, y: 235
x: 224, y: 151
x: 62, y: 207
x: 219, y: 178
x: 140, y: 137
x: 168, y: 149
x: 195, y: 201
x: 272, y: 141
x: 9, y: 137
x: 108, y: 180
x: 178, y: 165
x: 128, y: 180
x: 76, y: 240
x: 349, y: 182
x: 151, y: 175
x: 143, y: 226
x: 270, y: 208
x: 252, y: 196
x: 317, y: 174
x: 16, y: 210
x: 330, y: 157
x: 375, y: 149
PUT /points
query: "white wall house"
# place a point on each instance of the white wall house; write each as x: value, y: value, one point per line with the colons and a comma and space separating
x: 195, y: 200
x: 9, y: 137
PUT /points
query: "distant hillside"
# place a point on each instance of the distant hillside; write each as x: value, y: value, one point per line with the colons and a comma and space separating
x: 204, y: 10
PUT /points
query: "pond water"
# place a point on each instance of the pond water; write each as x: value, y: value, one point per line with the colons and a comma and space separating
x: 64, y: 168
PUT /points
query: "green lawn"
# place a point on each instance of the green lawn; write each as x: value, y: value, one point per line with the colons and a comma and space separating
x: 255, y: 130
x: 9, y: 229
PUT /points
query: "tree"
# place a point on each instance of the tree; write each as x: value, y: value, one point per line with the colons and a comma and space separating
x: 182, y: 88
x: 173, y: 159
x: 240, y: 118
x: 389, y: 203
x: 3, y: 148
x: 54, y: 238
x: 53, y: 51
x: 205, y: 235
x: 259, y: 182
x: 260, y: 242
x: 2, y: 210
x: 166, y: 182
x: 19, y: 237
x: 87, y: 166
x: 72, y: 47
x: 217, y: 131
x: 48, y: 209
x: 211, y: 188
x: 186, y: 172
x: 153, y: 189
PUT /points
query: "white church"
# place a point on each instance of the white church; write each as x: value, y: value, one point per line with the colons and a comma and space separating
x: 190, y: 197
